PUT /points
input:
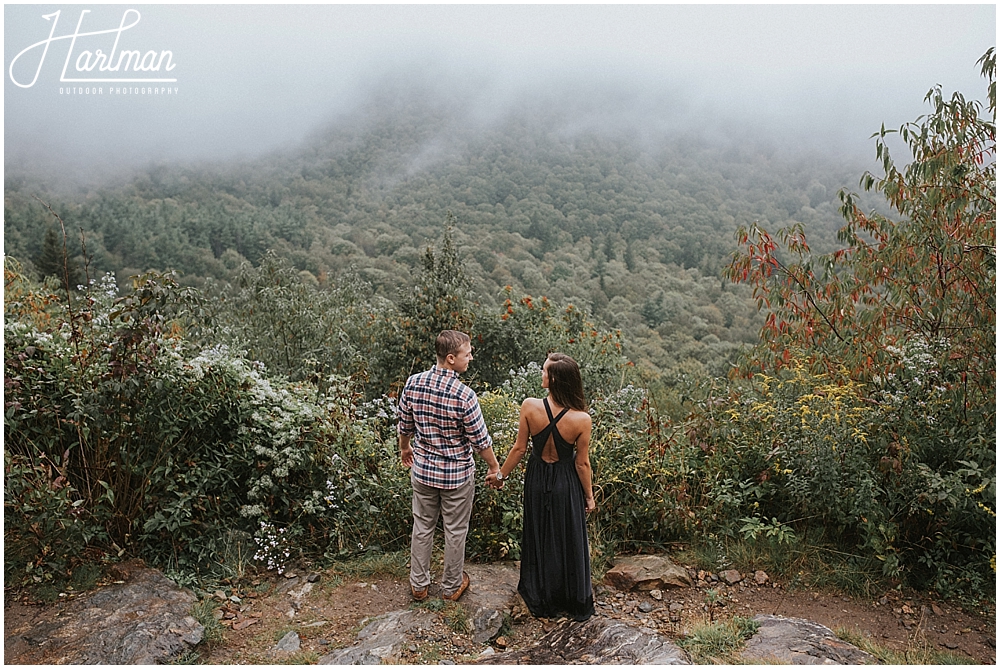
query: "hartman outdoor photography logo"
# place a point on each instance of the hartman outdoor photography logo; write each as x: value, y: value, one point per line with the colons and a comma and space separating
x: 97, y: 61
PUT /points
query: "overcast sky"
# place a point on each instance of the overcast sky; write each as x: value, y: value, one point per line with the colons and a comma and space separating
x: 253, y: 78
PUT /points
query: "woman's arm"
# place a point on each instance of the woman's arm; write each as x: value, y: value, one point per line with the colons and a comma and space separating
x: 517, y: 451
x: 583, y: 469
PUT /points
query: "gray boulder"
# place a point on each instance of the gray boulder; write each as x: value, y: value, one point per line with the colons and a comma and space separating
x: 290, y: 643
x: 492, y: 593
x: 382, y: 639
x: 798, y: 641
x: 145, y: 620
x: 597, y: 641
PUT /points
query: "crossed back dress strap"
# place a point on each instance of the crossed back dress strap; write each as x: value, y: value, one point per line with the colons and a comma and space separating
x: 548, y: 411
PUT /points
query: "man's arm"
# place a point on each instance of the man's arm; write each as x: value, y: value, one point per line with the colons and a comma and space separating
x: 491, y: 460
x: 406, y: 428
x: 405, y: 450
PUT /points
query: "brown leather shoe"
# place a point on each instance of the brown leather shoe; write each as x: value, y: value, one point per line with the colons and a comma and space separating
x: 453, y: 597
x: 418, y: 595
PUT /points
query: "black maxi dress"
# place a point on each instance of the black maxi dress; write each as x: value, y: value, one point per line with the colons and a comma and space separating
x: 555, y: 557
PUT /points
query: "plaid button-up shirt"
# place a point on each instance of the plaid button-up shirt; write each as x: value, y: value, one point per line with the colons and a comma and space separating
x: 444, y: 415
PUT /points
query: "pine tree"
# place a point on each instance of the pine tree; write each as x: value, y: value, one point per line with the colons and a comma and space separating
x: 440, y: 301
x: 53, y: 261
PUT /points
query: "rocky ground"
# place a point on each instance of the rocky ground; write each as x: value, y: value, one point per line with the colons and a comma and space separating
x: 308, y: 617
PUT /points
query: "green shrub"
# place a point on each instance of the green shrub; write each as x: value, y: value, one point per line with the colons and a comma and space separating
x: 498, y: 515
x: 888, y: 473
x: 640, y: 473
x: 164, y: 451
x: 46, y: 528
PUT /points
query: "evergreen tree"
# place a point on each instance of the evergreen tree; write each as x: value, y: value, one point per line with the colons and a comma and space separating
x: 440, y: 301
x: 53, y: 261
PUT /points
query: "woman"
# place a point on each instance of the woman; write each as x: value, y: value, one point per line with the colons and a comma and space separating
x: 555, y: 557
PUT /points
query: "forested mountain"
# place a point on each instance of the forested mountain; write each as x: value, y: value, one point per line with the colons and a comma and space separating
x: 629, y: 224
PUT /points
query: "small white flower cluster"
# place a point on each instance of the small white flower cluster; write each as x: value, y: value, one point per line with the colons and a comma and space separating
x: 383, y: 408
x: 919, y: 380
x: 273, y: 547
x: 277, y: 418
x: 524, y: 382
x: 504, y: 431
x: 626, y: 402
x: 12, y: 327
x: 108, y: 285
x: 331, y: 498
x: 218, y: 357
x: 337, y: 489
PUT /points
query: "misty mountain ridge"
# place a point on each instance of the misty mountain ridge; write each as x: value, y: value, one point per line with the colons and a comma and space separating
x: 630, y: 221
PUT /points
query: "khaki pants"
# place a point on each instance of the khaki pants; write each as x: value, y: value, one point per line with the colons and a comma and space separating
x: 455, y: 508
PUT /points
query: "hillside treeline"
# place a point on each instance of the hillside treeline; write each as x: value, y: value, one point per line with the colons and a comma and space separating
x: 631, y: 228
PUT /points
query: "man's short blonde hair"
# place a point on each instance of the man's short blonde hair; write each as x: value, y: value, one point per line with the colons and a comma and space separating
x: 449, y: 342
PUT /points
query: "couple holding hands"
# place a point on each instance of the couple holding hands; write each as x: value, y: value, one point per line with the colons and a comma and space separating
x: 441, y: 426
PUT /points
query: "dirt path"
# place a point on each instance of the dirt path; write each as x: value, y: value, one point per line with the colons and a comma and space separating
x: 260, y: 612
x: 335, y: 610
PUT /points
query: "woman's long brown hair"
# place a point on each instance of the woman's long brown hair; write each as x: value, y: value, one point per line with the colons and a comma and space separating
x: 565, y: 383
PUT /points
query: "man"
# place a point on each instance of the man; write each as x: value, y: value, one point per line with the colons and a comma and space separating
x: 440, y: 427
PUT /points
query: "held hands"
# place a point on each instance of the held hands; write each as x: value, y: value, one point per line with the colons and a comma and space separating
x: 491, y: 480
x: 589, y: 504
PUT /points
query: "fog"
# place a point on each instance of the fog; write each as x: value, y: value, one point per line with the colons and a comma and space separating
x: 253, y: 79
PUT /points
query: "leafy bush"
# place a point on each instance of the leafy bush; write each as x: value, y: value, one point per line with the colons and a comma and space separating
x: 889, y: 477
x: 498, y: 515
x: 157, y: 449
x: 296, y: 329
x: 45, y: 528
x: 640, y: 473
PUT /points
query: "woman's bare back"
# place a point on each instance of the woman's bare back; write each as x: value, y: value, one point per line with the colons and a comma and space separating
x: 570, y: 426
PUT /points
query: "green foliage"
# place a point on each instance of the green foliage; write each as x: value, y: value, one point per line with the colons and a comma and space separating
x: 54, y: 261
x: 395, y: 565
x: 799, y: 450
x: 298, y: 330
x: 773, y: 530
x: 204, y: 612
x: 440, y: 300
x: 499, y: 514
x: 432, y: 604
x: 119, y: 432
x: 457, y: 619
x: 641, y: 471
x: 367, y: 496
x: 527, y: 330
x: 807, y: 559
x: 45, y: 529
